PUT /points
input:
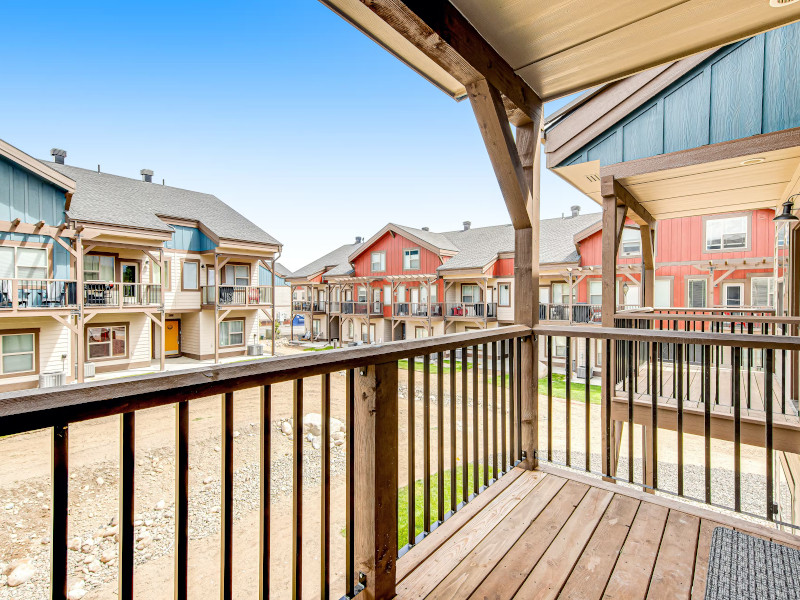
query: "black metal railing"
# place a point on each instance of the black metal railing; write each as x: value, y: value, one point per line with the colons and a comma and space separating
x: 417, y: 309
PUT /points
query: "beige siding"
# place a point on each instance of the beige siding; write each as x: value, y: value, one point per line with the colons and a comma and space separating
x: 504, y: 313
x: 190, y: 332
x: 54, y: 341
x: 139, y: 340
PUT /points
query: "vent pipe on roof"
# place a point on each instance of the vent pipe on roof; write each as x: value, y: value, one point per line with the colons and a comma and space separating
x: 58, y: 155
x: 358, y: 239
x: 147, y: 175
x: 467, y: 225
x: 576, y: 210
x: 426, y: 229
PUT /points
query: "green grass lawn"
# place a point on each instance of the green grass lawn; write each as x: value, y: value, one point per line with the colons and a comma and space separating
x: 318, y: 349
x: 402, y: 500
x: 578, y: 389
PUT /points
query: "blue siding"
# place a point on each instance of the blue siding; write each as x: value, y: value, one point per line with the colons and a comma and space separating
x: 27, y: 197
x: 744, y: 89
x: 265, y: 277
x: 189, y: 238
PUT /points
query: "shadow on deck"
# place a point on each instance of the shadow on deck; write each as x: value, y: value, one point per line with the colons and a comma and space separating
x: 553, y: 533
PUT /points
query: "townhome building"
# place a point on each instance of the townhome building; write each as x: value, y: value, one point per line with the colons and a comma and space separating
x: 103, y: 273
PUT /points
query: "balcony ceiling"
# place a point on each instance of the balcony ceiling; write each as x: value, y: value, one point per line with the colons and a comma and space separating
x: 560, y: 47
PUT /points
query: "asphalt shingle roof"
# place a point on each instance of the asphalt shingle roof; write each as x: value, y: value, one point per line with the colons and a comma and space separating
x: 335, y: 261
x: 478, y: 246
x: 115, y: 200
x: 439, y: 240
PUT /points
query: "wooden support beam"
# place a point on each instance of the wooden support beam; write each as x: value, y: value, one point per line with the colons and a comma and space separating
x: 66, y: 322
x: 376, y: 441
x: 640, y: 215
x: 441, y: 32
x: 620, y: 220
x: 64, y: 245
x: 610, y: 245
x: 647, y: 236
x: 496, y: 131
x: 156, y: 261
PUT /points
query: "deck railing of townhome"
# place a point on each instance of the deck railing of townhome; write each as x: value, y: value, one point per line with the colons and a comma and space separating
x: 238, y: 295
x: 486, y: 362
x: 416, y: 309
x: 355, y: 308
x: 728, y: 401
x: 471, y: 309
x: 38, y: 293
x: 579, y: 313
x: 111, y: 294
x: 301, y: 305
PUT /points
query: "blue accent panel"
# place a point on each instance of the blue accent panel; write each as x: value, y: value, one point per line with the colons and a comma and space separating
x: 265, y: 277
x: 189, y: 238
x: 736, y: 89
x: 28, y: 197
x: 60, y: 262
x: 607, y: 151
x: 744, y: 89
x: 781, y: 79
x: 686, y: 119
x: 642, y: 135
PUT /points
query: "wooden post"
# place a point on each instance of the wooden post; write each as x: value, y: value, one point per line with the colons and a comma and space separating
x: 648, y: 266
x: 376, y: 441
x: 430, y: 325
x: 609, y: 270
x: 163, y: 354
x: 272, y: 297
x: 217, y: 275
x: 80, y: 344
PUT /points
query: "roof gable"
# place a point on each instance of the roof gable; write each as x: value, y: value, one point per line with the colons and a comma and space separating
x: 437, y: 243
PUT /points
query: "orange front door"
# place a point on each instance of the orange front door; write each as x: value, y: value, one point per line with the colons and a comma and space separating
x: 172, y: 340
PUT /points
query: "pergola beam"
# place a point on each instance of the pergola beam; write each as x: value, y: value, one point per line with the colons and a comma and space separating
x: 443, y: 34
x: 610, y: 186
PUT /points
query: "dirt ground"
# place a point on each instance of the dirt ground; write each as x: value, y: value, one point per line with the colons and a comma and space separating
x: 94, y: 456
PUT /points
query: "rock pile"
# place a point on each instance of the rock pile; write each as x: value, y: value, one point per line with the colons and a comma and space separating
x: 312, y: 430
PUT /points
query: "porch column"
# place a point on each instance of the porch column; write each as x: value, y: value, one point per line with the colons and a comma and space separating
x: 80, y: 335
x: 648, y: 265
x: 272, y: 297
x: 217, y: 275
x: 610, y: 241
x: 516, y: 166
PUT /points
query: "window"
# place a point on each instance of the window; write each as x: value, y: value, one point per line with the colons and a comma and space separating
x: 237, y: 275
x: 107, y: 341
x: 696, y: 293
x: 560, y: 346
x: 728, y: 233
x: 231, y: 333
x: 378, y: 262
x: 561, y: 293
x: 362, y: 293
x: 32, y: 263
x: 544, y: 295
x: 762, y: 291
x: 782, y: 236
x: 7, y: 270
x: 19, y: 353
x: 190, y: 277
x: 596, y: 292
x: 167, y: 274
x: 733, y: 294
x: 662, y: 293
x: 470, y: 293
x: 411, y: 259
x: 420, y: 332
x: 387, y: 294
x: 631, y: 244
x: 504, y: 294
x: 350, y: 329
x: 316, y: 327
x: 98, y: 268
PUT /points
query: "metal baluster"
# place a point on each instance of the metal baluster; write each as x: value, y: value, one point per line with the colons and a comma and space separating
x: 440, y: 434
x: 503, y: 420
x: 475, y: 445
x: 496, y: 471
x: 656, y: 349
x: 568, y: 404
x: 737, y: 429
x: 127, y: 449
x: 607, y: 394
x: 588, y: 408
x: 182, y: 501
x: 707, y: 419
x: 749, y: 366
x: 350, y: 483
x: 265, y: 436
x: 412, y: 436
x: 485, y: 415
x: 631, y: 351
x: 453, y: 483
x: 550, y: 398
x: 512, y: 412
x: 464, y: 425
x: 518, y: 399
x: 325, y: 491
x: 60, y: 511
x: 768, y: 433
x: 426, y: 443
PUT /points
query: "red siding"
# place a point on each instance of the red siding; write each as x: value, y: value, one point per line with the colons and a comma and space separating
x: 504, y: 267
x: 394, y: 246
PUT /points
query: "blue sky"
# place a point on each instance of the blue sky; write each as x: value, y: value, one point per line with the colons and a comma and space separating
x: 281, y: 109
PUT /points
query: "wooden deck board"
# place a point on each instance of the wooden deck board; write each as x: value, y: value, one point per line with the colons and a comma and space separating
x: 556, y: 533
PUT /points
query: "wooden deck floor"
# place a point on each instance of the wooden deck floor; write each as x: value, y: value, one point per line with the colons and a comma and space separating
x: 556, y: 534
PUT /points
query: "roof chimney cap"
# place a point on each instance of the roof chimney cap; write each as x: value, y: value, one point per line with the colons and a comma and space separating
x: 147, y: 175
x: 358, y: 239
x: 58, y: 155
x: 576, y: 210
x: 467, y: 225
x: 426, y: 229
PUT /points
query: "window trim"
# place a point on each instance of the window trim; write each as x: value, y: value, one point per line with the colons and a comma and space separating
x: 419, y: 259
x: 223, y: 276
x: 499, y: 295
x: 36, y: 364
x: 381, y: 253
x: 748, y: 231
x: 124, y: 324
x: 724, y: 294
x: 622, y: 241
x: 752, y: 277
x: 687, y: 291
x: 244, y: 333
x: 117, y: 273
x: 197, y: 262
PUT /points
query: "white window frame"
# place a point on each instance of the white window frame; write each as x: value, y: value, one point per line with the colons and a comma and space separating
x: 410, y: 257
x: 474, y: 297
x: 597, y: 284
x: 100, y: 259
x: 689, y: 292
x: 668, y: 281
x: 507, y: 287
x: 770, y: 290
x: 381, y: 262
x: 631, y: 242
x: 32, y: 352
x: 228, y: 323
x: 113, y: 328
x: 194, y: 285
x: 721, y: 223
x: 559, y: 346
x: 727, y: 285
